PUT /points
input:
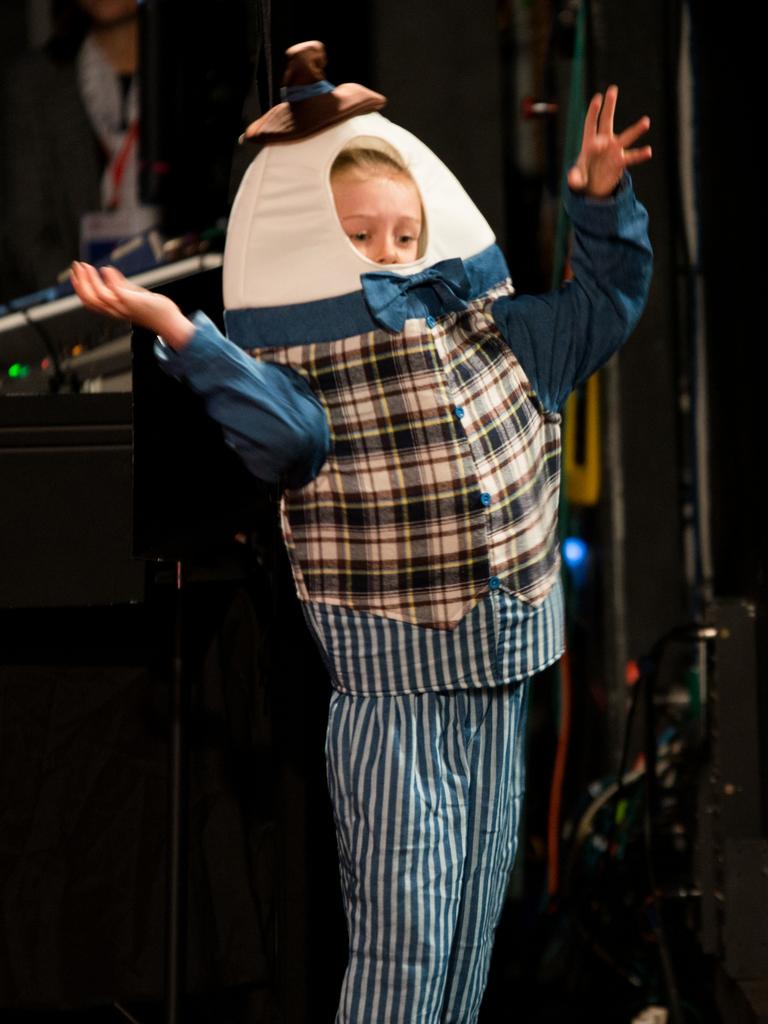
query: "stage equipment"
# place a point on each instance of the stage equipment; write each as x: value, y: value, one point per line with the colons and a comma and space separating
x: 69, y: 349
x: 732, y: 840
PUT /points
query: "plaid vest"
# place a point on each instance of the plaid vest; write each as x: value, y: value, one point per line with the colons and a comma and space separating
x: 443, y: 477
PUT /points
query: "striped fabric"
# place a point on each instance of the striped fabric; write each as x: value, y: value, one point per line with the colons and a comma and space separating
x: 443, y: 474
x: 427, y: 794
x: 501, y: 640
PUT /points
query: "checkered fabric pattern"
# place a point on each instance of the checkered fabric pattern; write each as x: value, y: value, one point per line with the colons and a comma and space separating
x: 443, y: 475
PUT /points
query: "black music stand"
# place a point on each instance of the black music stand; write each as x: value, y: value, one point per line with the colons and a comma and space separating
x: 191, y: 496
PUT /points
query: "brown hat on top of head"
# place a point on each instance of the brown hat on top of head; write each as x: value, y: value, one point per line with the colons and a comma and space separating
x: 310, y: 103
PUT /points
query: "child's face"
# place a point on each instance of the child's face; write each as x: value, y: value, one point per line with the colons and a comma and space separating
x: 380, y: 214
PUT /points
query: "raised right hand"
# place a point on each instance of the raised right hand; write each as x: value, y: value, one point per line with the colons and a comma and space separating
x: 109, y: 292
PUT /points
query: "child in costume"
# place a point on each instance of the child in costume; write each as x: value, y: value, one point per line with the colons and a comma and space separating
x: 412, y: 418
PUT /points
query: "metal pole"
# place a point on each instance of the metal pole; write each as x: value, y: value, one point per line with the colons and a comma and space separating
x: 177, y: 840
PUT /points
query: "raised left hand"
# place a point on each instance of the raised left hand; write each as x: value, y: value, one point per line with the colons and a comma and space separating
x: 604, y: 155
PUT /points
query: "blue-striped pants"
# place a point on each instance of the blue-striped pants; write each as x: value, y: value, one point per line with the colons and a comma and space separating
x: 427, y: 791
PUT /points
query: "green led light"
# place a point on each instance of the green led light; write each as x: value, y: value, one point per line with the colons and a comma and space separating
x: 18, y: 370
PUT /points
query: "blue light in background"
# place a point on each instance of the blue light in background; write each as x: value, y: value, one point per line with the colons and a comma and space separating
x: 575, y: 552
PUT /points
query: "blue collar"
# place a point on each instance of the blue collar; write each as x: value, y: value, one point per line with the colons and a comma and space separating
x: 347, y: 315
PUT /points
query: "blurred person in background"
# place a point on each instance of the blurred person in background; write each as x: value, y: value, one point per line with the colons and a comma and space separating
x: 69, y: 145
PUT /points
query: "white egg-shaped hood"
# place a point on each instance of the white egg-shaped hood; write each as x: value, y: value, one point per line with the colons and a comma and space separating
x: 285, y: 245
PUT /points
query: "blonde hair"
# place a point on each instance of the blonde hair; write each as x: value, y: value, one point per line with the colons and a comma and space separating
x: 368, y: 162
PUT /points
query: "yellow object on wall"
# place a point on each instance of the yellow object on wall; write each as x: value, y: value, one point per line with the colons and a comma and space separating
x: 582, y: 444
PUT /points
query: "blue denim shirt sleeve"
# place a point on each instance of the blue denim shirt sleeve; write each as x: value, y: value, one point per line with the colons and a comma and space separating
x: 268, y: 412
x: 562, y: 337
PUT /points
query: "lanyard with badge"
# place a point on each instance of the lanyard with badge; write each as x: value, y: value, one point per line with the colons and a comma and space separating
x: 122, y: 216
